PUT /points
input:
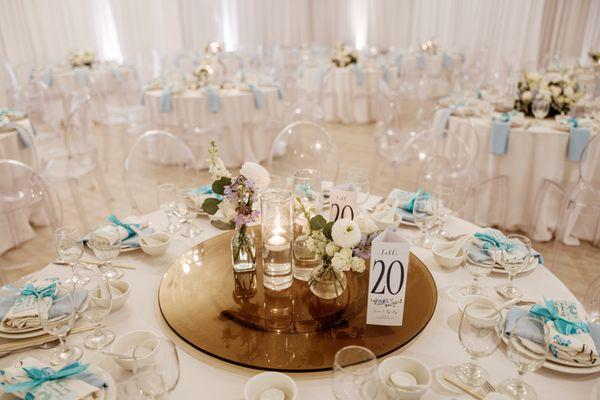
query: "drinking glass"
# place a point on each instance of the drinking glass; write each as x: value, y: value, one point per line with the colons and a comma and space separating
x: 445, y: 196
x: 106, y: 244
x: 479, y: 334
x: 95, y: 309
x: 477, y: 265
x: 60, y: 324
x: 190, y: 230
x: 425, y: 215
x: 359, y: 179
x: 157, y: 376
x: 69, y: 247
x: 528, y: 351
x: 540, y: 107
x: 276, y: 182
x: 355, y: 375
x: 515, y: 255
x: 591, y: 302
x: 167, y: 201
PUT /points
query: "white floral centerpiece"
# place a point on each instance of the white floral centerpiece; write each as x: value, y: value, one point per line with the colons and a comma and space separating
x: 202, y: 75
x: 557, y: 86
x: 344, y: 56
x: 342, y: 246
x: 82, y: 58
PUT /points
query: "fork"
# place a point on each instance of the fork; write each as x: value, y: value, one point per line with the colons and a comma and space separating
x: 488, y: 388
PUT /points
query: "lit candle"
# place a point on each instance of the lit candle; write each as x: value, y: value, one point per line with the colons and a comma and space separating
x: 277, y: 243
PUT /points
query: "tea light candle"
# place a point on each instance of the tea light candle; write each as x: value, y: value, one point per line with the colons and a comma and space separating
x: 277, y: 243
x: 272, y: 394
x: 402, y: 378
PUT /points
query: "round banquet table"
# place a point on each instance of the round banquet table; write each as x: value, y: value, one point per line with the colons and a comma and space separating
x: 437, y: 345
x: 240, y: 124
x: 535, y: 153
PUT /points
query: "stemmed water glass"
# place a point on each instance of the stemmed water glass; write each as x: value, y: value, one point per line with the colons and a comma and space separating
x: 425, y: 208
x: 445, y: 196
x: 591, y: 302
x: 479, y: 334
x: 515, y: 255
x: 105, y: 241
x: 155, y: 376
x: 69, y: 247
x: 57, y: 318
x: 355, y: 374
x: 527, y: 349
x: 167, y: 201
x: 190, y: 230
x: 95, y: 309
x: 540, y: 107
x: 359, y: 179
x: 478, y: 264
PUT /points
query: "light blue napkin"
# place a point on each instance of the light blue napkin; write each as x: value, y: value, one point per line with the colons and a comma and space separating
x: 47, y: 78
x: 23, y: 139
x: 578, y: 139
x: 499, y: 138
x: 491, y: 240
x: 386, y: 72
x: 166, y: 100
x: 421, y: 61
x: 82, y: 76
x: 212, y: 99
x: 259, y: 98
x: 447, y: 62
x: 440, y: 121
x: 407, y: 202
x: 358, y: 73
x: 205, y: 189
x: 58, y: 308
x: 398, y: 62
x: 319, y: 76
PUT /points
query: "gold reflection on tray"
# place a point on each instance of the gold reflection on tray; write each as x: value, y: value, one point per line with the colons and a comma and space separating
x: 232, y: 316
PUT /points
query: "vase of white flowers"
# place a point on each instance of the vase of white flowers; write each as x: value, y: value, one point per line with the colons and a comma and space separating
x: 344, y: 56
x: 558, y: 86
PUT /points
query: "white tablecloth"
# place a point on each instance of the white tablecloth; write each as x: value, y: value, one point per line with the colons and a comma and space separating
x: 534, y: 154
x: 204, y: 377
x: 240, y: 124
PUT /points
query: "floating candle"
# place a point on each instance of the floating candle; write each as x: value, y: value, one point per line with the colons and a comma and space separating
x: 401, y: 379
x: 272, y: 394
x: 277, y: 243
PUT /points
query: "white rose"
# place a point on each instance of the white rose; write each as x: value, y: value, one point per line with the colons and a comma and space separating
x: 527, y: 96
x: 568, y: 91
x: 357, y: 264
x: 256, y: 173
x: 366, y: 224
x: 345, y: 233
x: 561, y: 99
x: 555, y: 90
x: 331, y: 249
x: 341, y: 261
x: 227, y: 209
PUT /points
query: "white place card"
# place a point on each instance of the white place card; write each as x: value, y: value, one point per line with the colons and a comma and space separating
x: 344, y: 202
x: 387, y: 278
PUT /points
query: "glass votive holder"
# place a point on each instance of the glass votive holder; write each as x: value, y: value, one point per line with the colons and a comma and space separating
x: 276, y: 229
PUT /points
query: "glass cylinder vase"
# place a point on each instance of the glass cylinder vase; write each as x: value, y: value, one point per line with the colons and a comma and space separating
x: 276, y: 228
x: 327, y: 282
x: 307, y: 200
x: 243, y: 250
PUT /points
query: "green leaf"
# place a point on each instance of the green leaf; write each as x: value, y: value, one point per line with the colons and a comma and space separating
x: 218, y: 186
x: 327, y: 230
x: 224, y: 226
x: 210, y: 205
x: 317, y: 222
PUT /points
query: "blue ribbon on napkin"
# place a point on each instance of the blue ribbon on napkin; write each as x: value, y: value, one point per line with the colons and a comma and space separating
x: 213, y: 101
x: 166, y: 100
x: 398, y: 62
x: 440, y: 121
x: 493, y: 239
x: 259, y: 98
x: 578, y: 140
x: 205, y: 189
x: 82, y: 76
x: 447, y: 62
x: 563, y: 325
x: 358, y: 73
x: 41, y: 375
x: 421, y: 61
x: 130, y: 232
x: 47, y: 78
x: 58, y: 308
x: 43, y: 291
x: 499, y: 138
x: 527, y: 330
x: 406, y: 208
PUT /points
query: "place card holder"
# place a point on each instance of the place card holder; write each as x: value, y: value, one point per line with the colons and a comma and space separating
x: 344, y: 202
x: 388, y: 275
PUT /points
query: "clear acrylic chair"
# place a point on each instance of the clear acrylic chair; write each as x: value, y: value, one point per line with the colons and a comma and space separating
x: 591, y: 301
x: 27, y: 145
x: 155, y: 158
x: 25, y: 199
x: 304, y: 144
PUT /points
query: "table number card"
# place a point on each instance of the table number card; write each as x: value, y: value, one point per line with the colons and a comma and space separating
x: 387, y: 278
x: 344, y: 202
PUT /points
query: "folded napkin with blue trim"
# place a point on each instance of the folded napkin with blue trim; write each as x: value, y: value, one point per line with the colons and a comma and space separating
x: 499, y: 138
x: 489, y: 242
x: 259, y: 98
x: 82, y: 76
x: 166, y: 100
x: 359, y: 75
x: 201, y: 193
x: 128, y: 237
x: 406, y: 202
x: 20, y: 311
x: 578, y: 139
x: 570, y: 338
x: 32, y: 379
x: 212, y: 98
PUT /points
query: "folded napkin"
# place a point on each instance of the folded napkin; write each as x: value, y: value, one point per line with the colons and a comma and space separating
x: 398, y: 62
x: 499, y: 138
x: 47, y: 78
x: 201, y: 193
x: 82, y: 76
x: 259, y: 98
x: 447, y: 62
x: 406, y: 202
x: 212, y: 97
x: 126, y: 234
x: 488, y: 243
x: 570, y: 339
x: 578, y: 140
x: 166, y: 99
x: 358, y: 73
x: 421, y: 62
x: 33, y: 379
x: 440, y: 121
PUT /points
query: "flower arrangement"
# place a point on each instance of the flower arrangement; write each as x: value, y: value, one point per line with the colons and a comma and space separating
x: 430, y: 47
x: 203, y: 75
x: 595, y: 56
x: 344, y: 56
x: 557, y: 86
x: 82, y: 58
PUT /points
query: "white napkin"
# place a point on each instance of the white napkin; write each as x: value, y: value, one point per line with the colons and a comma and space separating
x: 24, y: 313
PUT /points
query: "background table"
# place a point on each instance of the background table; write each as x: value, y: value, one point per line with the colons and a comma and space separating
x: 436, y: 346
x: 242, y: 127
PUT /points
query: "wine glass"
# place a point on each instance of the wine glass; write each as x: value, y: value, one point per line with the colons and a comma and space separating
x: 167, y: 201
x: 479, y: 334
x: 591, y: 302
x: 528, y: 351
x: 355, y: 375
x: 95, y: 309
x: 157, y: 376
x: 105, y: 241
x: 445, y: 196
x: 69, y: 247
x: 307, y: 188
x: 478, y: 264
x: 540, y: 107
x: 190, y: 230
x: 359, y: 179
x: 57, y: 318
x: 425, y: 208
x: 515, y: 255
